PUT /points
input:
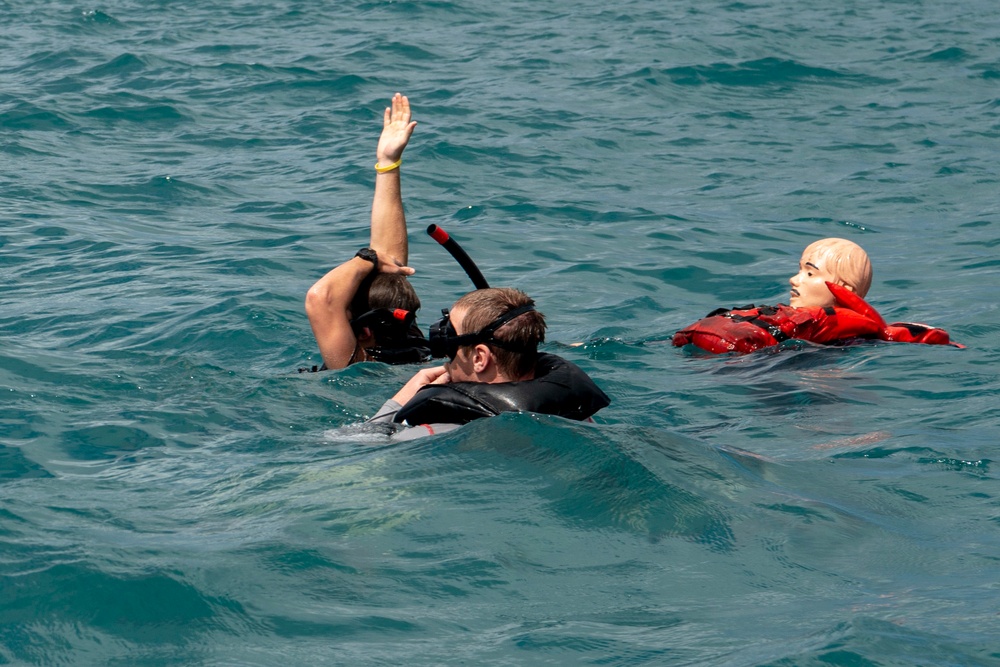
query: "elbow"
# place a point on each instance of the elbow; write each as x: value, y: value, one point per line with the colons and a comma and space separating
x: 317, y: 301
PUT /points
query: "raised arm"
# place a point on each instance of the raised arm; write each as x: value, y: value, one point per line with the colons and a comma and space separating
x: 388, y: 231
x: 328, y: 300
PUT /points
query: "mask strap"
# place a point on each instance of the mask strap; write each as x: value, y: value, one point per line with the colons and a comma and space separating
x: 485, y: 334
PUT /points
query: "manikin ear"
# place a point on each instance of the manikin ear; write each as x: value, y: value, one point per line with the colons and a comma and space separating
x: 849, y: 288
x: 482, y: 357
x: 365, y: 335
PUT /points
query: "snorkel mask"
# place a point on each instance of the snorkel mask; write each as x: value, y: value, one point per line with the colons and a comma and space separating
x: 384, y: 323
x: 399, y: 341
x: 445, y: 341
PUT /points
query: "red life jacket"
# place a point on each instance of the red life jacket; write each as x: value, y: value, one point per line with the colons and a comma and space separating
x: 751, y: 328
x: 900, y: 332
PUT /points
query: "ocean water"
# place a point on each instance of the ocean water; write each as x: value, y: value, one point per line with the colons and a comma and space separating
x: 176, y: 175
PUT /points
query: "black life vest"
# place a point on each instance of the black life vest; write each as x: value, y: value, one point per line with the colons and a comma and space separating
x: 559, y: 388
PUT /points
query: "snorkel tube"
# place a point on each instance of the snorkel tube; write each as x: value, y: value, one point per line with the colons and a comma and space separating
x: 438, y: 338
x: 451, y: 245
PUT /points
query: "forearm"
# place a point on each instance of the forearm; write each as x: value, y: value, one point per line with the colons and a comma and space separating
x: 388, y: 222
x: 388, y: 228
x: 386, y: 412
x: 335, y: 290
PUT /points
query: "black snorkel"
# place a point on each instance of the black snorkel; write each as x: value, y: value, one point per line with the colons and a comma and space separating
x: 451, y: 245
x: 438, y: 337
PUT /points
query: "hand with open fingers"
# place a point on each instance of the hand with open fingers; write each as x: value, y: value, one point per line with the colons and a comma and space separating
x: 396, y: 131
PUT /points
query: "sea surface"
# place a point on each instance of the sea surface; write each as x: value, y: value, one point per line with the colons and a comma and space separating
x: 176, y: 175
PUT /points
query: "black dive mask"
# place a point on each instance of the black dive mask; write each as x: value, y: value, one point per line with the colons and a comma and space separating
x: 386, y: 324
x: 445, y: 341
x: 398, y: 339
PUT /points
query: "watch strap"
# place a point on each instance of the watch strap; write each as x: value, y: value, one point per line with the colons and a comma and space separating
x: 369, y: 255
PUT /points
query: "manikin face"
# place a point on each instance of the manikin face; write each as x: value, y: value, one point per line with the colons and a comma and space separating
x: 809, y: 284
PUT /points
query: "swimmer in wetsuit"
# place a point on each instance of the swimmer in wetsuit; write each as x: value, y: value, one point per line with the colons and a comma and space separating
x: 826, y: 305
x: 373, y: 282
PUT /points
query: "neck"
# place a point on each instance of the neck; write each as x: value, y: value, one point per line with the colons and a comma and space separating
x: 360, y: 353
x: 498, y: 377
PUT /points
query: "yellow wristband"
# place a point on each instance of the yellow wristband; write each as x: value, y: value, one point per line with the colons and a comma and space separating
x: 394, y: 165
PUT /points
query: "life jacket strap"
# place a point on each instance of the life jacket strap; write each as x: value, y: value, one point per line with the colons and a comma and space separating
x: 773, y: 329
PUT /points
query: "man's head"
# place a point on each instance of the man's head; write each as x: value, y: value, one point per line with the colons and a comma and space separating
x: 382, y: 290
x: 511, y: 352
x: 838, y: 261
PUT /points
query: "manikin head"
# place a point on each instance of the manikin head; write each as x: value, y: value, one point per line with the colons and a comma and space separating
x: 487, y: 361
x: 838, y: 261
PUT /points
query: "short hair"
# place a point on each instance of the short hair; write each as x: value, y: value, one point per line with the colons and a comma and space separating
x: 526, y: 330
x: 846, y: 260
x: 384, y: 290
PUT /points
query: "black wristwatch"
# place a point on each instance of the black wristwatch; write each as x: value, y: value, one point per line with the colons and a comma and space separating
x: 369, y: 254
